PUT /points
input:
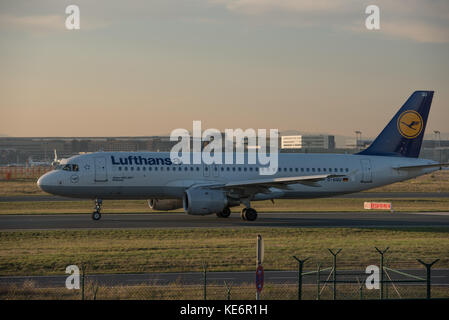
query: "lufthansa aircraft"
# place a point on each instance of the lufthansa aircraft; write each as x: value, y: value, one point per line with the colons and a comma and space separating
x: 206, y: 189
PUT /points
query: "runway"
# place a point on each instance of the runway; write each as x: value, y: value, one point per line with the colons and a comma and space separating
x: 367, y: 219
x: 440, y: 277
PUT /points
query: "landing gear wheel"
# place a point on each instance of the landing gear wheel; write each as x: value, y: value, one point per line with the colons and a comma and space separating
x: 243, y: 214
x: 225, y: 213
x: 96, y: 215
x: 249, y: 214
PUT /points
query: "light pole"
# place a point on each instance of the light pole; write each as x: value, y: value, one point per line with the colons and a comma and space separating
x: 358, y: 139
x: 438, y: 137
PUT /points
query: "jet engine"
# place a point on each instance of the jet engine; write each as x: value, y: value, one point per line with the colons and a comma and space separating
x: 165, y: 204
x: 202, y: 201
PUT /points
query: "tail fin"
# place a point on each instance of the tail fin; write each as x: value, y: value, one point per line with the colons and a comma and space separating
x: 404, y: 133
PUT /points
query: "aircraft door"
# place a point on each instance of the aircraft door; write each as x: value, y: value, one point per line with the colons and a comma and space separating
x: 206, y: 170
x: 215, y: 170
x: 366, y: 171
x: 101, y: 174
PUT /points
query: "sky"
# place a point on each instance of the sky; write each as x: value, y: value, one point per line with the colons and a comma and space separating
x: 140, y: 68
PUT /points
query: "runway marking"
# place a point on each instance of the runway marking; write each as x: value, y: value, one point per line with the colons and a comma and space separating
x: 431, y: 213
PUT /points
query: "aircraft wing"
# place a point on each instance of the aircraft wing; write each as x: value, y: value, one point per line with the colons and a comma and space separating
x: 281, y: 183
x: 424, y: 166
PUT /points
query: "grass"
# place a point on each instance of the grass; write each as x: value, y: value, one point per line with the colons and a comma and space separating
x: 179, y: 291
x: 185, y: 250
x: 307, y: 205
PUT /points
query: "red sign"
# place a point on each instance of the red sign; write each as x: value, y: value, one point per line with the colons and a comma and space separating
x: 259, y: 278
x: 378, y: 205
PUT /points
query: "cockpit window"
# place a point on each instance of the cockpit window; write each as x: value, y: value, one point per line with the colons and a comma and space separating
x: 70, y: 167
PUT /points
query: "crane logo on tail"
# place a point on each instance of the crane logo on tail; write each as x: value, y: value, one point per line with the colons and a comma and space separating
x: 410, y: 124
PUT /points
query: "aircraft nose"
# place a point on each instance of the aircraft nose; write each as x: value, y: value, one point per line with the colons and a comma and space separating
x: 45, y: 182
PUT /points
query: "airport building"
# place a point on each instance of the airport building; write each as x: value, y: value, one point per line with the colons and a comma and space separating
x: 326, y: 142
x: 20, y: 151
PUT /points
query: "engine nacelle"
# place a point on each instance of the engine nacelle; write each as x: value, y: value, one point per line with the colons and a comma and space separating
x: 165, y: 204
x: 202, y: 201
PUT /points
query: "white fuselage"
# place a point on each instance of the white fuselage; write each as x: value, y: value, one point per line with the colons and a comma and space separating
x: 145, y: 175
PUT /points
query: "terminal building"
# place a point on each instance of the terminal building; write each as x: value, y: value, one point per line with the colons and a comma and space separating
x: 302, y: 142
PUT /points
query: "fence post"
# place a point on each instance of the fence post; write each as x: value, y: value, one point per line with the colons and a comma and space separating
x: 318, y: 274
x: 360, y: 288
x: 428, y: 266
x: 205, y: 280
x: 228, y: 291
x: 334, y: 270
x: 300, y: 267
x: 83, y: 271
x: 382, y: 270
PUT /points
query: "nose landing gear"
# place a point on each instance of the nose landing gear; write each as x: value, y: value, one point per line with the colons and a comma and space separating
x: 96, y: 215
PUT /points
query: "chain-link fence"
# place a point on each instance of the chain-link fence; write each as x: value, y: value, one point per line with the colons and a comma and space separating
x: 311, y: 280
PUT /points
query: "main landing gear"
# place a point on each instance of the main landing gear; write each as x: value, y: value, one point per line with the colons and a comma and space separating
x: 225, y: 213
x: 96, y: 215
x: 248, y: 214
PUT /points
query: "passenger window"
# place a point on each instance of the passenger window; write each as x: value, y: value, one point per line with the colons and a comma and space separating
x: 119, y: 168
x: 313, y: 169
x: 138, y: 168
x: 126, y: 168
x: 302, y: 169
x: 319, y: 170
x: 149, y: 168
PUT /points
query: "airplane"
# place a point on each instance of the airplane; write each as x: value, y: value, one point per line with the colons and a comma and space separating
x: 207, y: 189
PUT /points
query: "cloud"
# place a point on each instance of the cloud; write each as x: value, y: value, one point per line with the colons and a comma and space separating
x: 41, y: 24
x: 407, y: 19
x: 419, y: 32
x: 36, y: 23
x: 266, y: 6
